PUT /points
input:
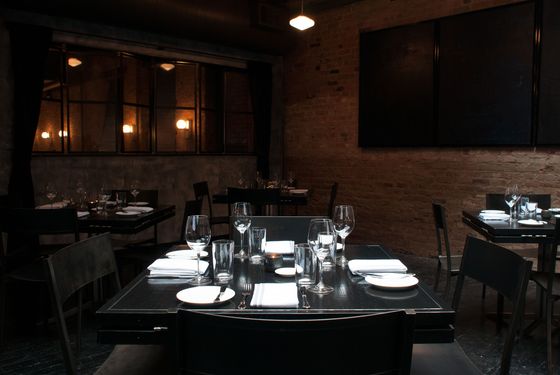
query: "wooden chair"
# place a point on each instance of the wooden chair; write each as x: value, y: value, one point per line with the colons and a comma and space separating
x: 499, y: 269
x: 450, y: 263
x: 495, y: 201
x: 262, y: 201
x: 549, y: 280
x: 69, y: 271
x: 332, y: 198
x: 20, y: 259
x: 374, y: 343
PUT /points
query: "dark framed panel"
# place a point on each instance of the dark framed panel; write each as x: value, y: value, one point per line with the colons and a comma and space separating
x: 396, y: 87
x: 548, y: 131
x: 485, y: 66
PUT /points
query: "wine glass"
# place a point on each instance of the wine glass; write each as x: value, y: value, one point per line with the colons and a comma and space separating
x: 321, y: 237
x: 291, y: 178
x: 241, y: 221
x: 197, y: 235
x: 511, y: 197
x: 102, y: 198
x: 135, y: 190
x: 343, y: 221
x: 50, y: 193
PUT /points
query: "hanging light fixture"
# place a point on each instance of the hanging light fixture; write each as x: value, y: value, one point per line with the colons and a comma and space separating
x: 302, y: 22
x: 167, y: 66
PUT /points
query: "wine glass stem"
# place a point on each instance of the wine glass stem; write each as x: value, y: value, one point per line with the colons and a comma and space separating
x: 343, y: 240
x: 198, y: 264
x: 320, y: 265
x: 241, y: 250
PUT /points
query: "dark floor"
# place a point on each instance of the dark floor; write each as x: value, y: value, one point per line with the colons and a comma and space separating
x: 40, y: 354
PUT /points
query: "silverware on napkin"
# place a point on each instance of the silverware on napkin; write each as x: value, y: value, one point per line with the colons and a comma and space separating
x: 221, y: 293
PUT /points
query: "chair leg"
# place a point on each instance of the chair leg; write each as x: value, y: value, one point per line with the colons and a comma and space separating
x: 438, y: 272
x: 483, y: 291
x: 3, y: 298
x: 447, y: 283
x: 549, y: 363
x: 499, y: 313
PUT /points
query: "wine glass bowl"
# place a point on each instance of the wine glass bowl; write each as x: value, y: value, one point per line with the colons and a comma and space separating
x: 135, y: 190
x: 197, y: 235
x: 322, y: 238
x: 50, y: 193
x: 343, y: 221
x: 511, y: 197
x: 241, y: 213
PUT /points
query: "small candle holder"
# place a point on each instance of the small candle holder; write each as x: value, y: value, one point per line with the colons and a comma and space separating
x: 272, y: 261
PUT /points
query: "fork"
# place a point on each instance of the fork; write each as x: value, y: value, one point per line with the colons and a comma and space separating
x: 246, y: 292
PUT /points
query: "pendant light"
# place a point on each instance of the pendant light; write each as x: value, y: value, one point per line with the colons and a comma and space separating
x: 302, y: 22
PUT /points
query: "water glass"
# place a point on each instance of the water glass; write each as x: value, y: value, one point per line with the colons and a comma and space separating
x: 305, y: 262
x: 523, y: 211
x: 257, y: 244
x: 222, y: 259
x: 532, y: 209
x: 120, y: 197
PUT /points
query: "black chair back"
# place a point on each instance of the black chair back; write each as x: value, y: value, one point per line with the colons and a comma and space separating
x: 279, y: 228
x: 332, y: 198
x: 71, y: 269
x: 201, y: 192
x: 150, y: 196
x: 502, y: 270
x: 440, y: 219
x: 495, y: 201
x: 191, y: 208
x: 373, y: 343
x: 260, y: 199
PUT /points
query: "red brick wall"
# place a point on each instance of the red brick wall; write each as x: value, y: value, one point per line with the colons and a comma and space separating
x: 391, y: 188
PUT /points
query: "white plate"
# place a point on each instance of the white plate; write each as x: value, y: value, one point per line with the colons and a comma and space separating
x: 531, y: 222
x: 392, y: 283
x: 552, y: 209
x: 204, y: 295
x: 492, y: 212
x: 138, y: 203
x: 128, y: 213
x: 188, y: 254
x: 285, y: 271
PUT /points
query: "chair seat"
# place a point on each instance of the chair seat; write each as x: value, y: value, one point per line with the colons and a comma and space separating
x: 441, y: 359
x: 135, y: 360
x: 455, y: 262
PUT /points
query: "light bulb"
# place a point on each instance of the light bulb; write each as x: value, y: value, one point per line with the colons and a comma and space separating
x: 183, y: 124
x: 127, y: 129
x: 45, y: 135
x: 74, y: 62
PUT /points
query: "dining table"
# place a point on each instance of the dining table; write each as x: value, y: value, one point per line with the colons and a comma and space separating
x: 296, y: 198
x: 144, y: 312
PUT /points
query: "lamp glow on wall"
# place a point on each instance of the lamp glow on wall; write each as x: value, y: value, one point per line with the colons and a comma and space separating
x: 302, y: 22
x: 127, y: 129
x: 62, y: 133
x: 183, y: 124
x: 45, y: 135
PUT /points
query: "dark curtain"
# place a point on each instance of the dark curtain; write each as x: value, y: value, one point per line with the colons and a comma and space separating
x: 260, y: 77
x: 29, y: 48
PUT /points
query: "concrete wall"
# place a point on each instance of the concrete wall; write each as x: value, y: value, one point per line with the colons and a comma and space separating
x: 390, y: 188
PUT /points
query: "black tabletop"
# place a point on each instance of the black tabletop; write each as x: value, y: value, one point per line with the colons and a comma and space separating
x: 143, y: 312
x: 111, y: 222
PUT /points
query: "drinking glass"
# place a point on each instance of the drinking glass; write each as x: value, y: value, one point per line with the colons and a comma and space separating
x: 343, y: 221
x: 321, y: 237
x: 50, y: 193
x: 197, y: 235
x: 241, y: 221
x: 102, y: 198
x: 257, y: 244
x: 511, y: 197
x: 222, y: 260
x: 304, y: 263
x: 120, y: 197
x: 135, y: 190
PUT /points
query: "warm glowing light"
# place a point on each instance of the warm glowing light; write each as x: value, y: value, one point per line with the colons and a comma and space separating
x: 45, y: 135
x: 167, y: 66
x: 184, y: 124
x: 302, y: 22
x: 63, y: 133
x: 74, y: 62
x: 127, y: 129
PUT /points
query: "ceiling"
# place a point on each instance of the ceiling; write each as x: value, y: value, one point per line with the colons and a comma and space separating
x: 258, y: 25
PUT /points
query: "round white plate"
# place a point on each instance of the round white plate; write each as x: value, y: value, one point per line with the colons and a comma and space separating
x: 128, y: 213
x: 531, y: 222
x: 187, y: 254
x: 138, y: 203
x: 552, y: 209
x: 285, y: 271
x: 493, y: 211
x: 392, y: 283
x: 204, y: 295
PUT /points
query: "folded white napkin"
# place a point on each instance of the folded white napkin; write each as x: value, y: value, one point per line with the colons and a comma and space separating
x: 275, y: 295
x: 138, y: 209
x: 82, y: 213
x: 176, y: 267
x: 299, y: 191
x: 279, y: 247
x: 493, y: 216
x: 60, y: 204
x: 376, y: 265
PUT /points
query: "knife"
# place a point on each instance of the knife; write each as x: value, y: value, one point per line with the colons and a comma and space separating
x: 220, y: 294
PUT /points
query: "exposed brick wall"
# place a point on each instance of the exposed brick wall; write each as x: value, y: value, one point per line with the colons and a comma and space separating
x: 391, y: 188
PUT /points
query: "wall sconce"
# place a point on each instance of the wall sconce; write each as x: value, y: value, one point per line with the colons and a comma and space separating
x: 63, y: 133
x: 45, y: 135
x: 127, y: 129
x: 183, y: 124
x: 74, y: 62
x: 167, y: 66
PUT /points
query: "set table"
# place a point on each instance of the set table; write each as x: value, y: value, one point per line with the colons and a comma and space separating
x: 144, y: 312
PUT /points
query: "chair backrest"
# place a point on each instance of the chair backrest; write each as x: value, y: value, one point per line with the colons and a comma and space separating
x: 191, y: 208
x: 332, y: 198
x: 495, y: 201
x: 442, y: 237
x: 150, y: 196
x: 72, y: 268
x: 375, y: 343
x: 200, y: 192
x: 280, y: 228
x: 260, y: 199
x: 502, y: 270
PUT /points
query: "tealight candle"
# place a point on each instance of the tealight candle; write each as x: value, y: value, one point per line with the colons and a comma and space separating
x: 272, y: 261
